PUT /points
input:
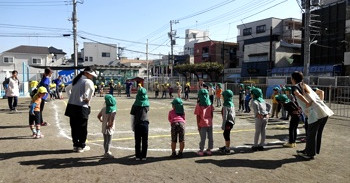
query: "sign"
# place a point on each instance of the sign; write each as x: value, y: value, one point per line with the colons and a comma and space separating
x: 67, y: 76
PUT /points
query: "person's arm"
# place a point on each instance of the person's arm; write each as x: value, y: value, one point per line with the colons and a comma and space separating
x: 111, y: 120
x: 89, y: 91
x: 99, y: 115
x: 224, y: 118
x: 169, y: 116
x: 320, y: 93
x: 302, y: 98
x: 31, y: 110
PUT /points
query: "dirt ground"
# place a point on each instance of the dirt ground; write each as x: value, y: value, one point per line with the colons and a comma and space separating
x: 23, y: 159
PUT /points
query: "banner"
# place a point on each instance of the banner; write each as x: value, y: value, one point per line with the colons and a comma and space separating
x: 67, y: 76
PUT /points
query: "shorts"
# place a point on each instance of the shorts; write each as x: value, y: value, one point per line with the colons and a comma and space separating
x: 34, y: 119
x: 177, y: 129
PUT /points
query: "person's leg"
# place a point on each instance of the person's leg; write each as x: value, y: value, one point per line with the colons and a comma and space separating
x: 210, y: 138
x: 182, y: 137
x: 144, y: 140
x: 274, y: 108
x: 83, y: 132
x: 42, y: 105
x: 15, y: 101
x: 9, y: 101
x: 227, y: 133
x: 311, y: 139
x: 263, y: 131
x: 108, y: 143
x: 258, y: 125
x: 203, y: 136
x: 319, y: 134
x: 173, y: 137
x: 294, y: 122
x: 137, y: 135
x: 74, y: 131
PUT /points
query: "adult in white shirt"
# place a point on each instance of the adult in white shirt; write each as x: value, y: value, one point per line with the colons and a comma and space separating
x: 12, y: 91
x: 78, y: 108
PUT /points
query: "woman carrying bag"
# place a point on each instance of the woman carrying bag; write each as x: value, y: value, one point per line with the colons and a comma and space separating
x: 317, y: 112
x: 78, y: 108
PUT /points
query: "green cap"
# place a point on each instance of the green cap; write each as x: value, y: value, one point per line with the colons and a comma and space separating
x: 282, y: 98
x: 111, y: 104
x: 141, y: 98
x: 228, y: 95
x: 178, y: 104
x: 204, y: 97
x: 257, y: 93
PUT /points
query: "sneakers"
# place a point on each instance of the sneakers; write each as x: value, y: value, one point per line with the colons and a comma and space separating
x: 75, y: 149
x: 301, y: 152
x: 208, y: 152
x: 138, y: 159
x: 86, y: 148
x: 43, y: 124
x: 144, y: 159
x: 179, y: 155
x: 108, y: 155
x: 38, y: 136
x: 173, y: 155
x: 306, y: 156
x: 225, y: 150
x: 290, y: 145
x: 254, y: 148
x: 260, y: 148
x: 200, y: 153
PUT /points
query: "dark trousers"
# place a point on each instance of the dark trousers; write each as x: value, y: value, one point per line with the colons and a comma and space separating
x: 241, y: 105
x: 12, y: 101
x: 314, y: 136
x: 228, y: 128
x: 211, y: 98
x: 42, y: 105
x: 247, y: 108
x: 186, y: 95
x: 293, y: 126
x: 79, y: 131
x: 141, y: 135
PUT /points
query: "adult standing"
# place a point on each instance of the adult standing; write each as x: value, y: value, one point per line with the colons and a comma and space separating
x: 317, y: 112
x: 12, y: 91
x: 45, y: 82
x: 78, y: 108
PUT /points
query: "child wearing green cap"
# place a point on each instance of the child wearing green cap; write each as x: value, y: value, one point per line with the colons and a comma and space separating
x: 139, y: 119
x: 296, y: 116
x: 204, y: 114
x: 228, y: 119
x: 177, y: 120
x: 261, y: 110
x: 107, y: 117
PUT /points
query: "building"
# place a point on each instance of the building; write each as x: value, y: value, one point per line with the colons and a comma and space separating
x: 22, y: 57
x: 99, y: 53
x: 192, y: 37
x: 269, y: 43
x: 330, y: 37
x: 218, y: 51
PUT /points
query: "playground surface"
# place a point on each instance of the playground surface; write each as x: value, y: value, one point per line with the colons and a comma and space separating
x: 51, y: 159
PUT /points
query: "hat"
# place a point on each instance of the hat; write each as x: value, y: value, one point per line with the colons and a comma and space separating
x: 276, y: 88
x: 282, y: 98
x: 204, y: 97
x: 188, y: 84
x: 141, y: 98
x: 42, y: 89
x: 111, y: 104
x: 228, y: 95
x: 288, y: 89
x: 178, y: 104
x: 257, y: 93
x: 90, y: 71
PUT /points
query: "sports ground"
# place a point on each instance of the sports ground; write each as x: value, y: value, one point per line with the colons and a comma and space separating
x: 50, y: 159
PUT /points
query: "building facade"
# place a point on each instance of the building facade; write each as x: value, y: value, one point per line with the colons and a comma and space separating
x: 268, y: 43
x: 99, y: 54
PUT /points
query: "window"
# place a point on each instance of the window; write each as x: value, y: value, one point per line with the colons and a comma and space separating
x: 194, y: 35
x: 260, y: 28
x: 36, y: 60
x: 90, y: 59
x: 106, y: 54
x: 86, y: 59
x: 247, y: 31
x: 8, y: 59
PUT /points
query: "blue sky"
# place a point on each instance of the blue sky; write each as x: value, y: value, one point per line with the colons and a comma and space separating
x: 131, y: 20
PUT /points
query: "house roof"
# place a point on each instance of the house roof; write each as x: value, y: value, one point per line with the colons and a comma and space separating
x: 29, y: 49
x: 35, y: 50
x: 55, y: 50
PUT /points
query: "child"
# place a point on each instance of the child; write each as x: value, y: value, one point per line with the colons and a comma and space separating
x: 228, y: 119
x: 274, y: 102
x: 177, y: 121
x: 101, y: 89
x: 241, y: 97
x: 171, y: 90
x: 119, y: 89
x: 187, y: 90
x: 139, y: 123
x: 261, y: 113
x: 179, y: 89
x: 34, y: 112
x: 211, y: 93
x: 156, y: 89
x: 247, y: 100
x: 107, y: 117
x: 204, y: 112
x: 295, y: 111
x: 164, y: 89
x: 218, y: 95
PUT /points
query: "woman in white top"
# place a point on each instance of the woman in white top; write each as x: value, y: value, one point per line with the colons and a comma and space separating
x: 12, y: 91
x: 78, y: 108
x: 317, y: 112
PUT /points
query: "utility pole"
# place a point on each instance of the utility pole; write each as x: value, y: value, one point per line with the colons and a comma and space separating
x: 271, y: 41
x: 223, y: 60
x: 172, y: 35
x: 307, y: 40
x: 147, y: 64
x: 75, y: 43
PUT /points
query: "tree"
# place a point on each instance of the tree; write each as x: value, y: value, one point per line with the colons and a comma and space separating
x: 212, y: 69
